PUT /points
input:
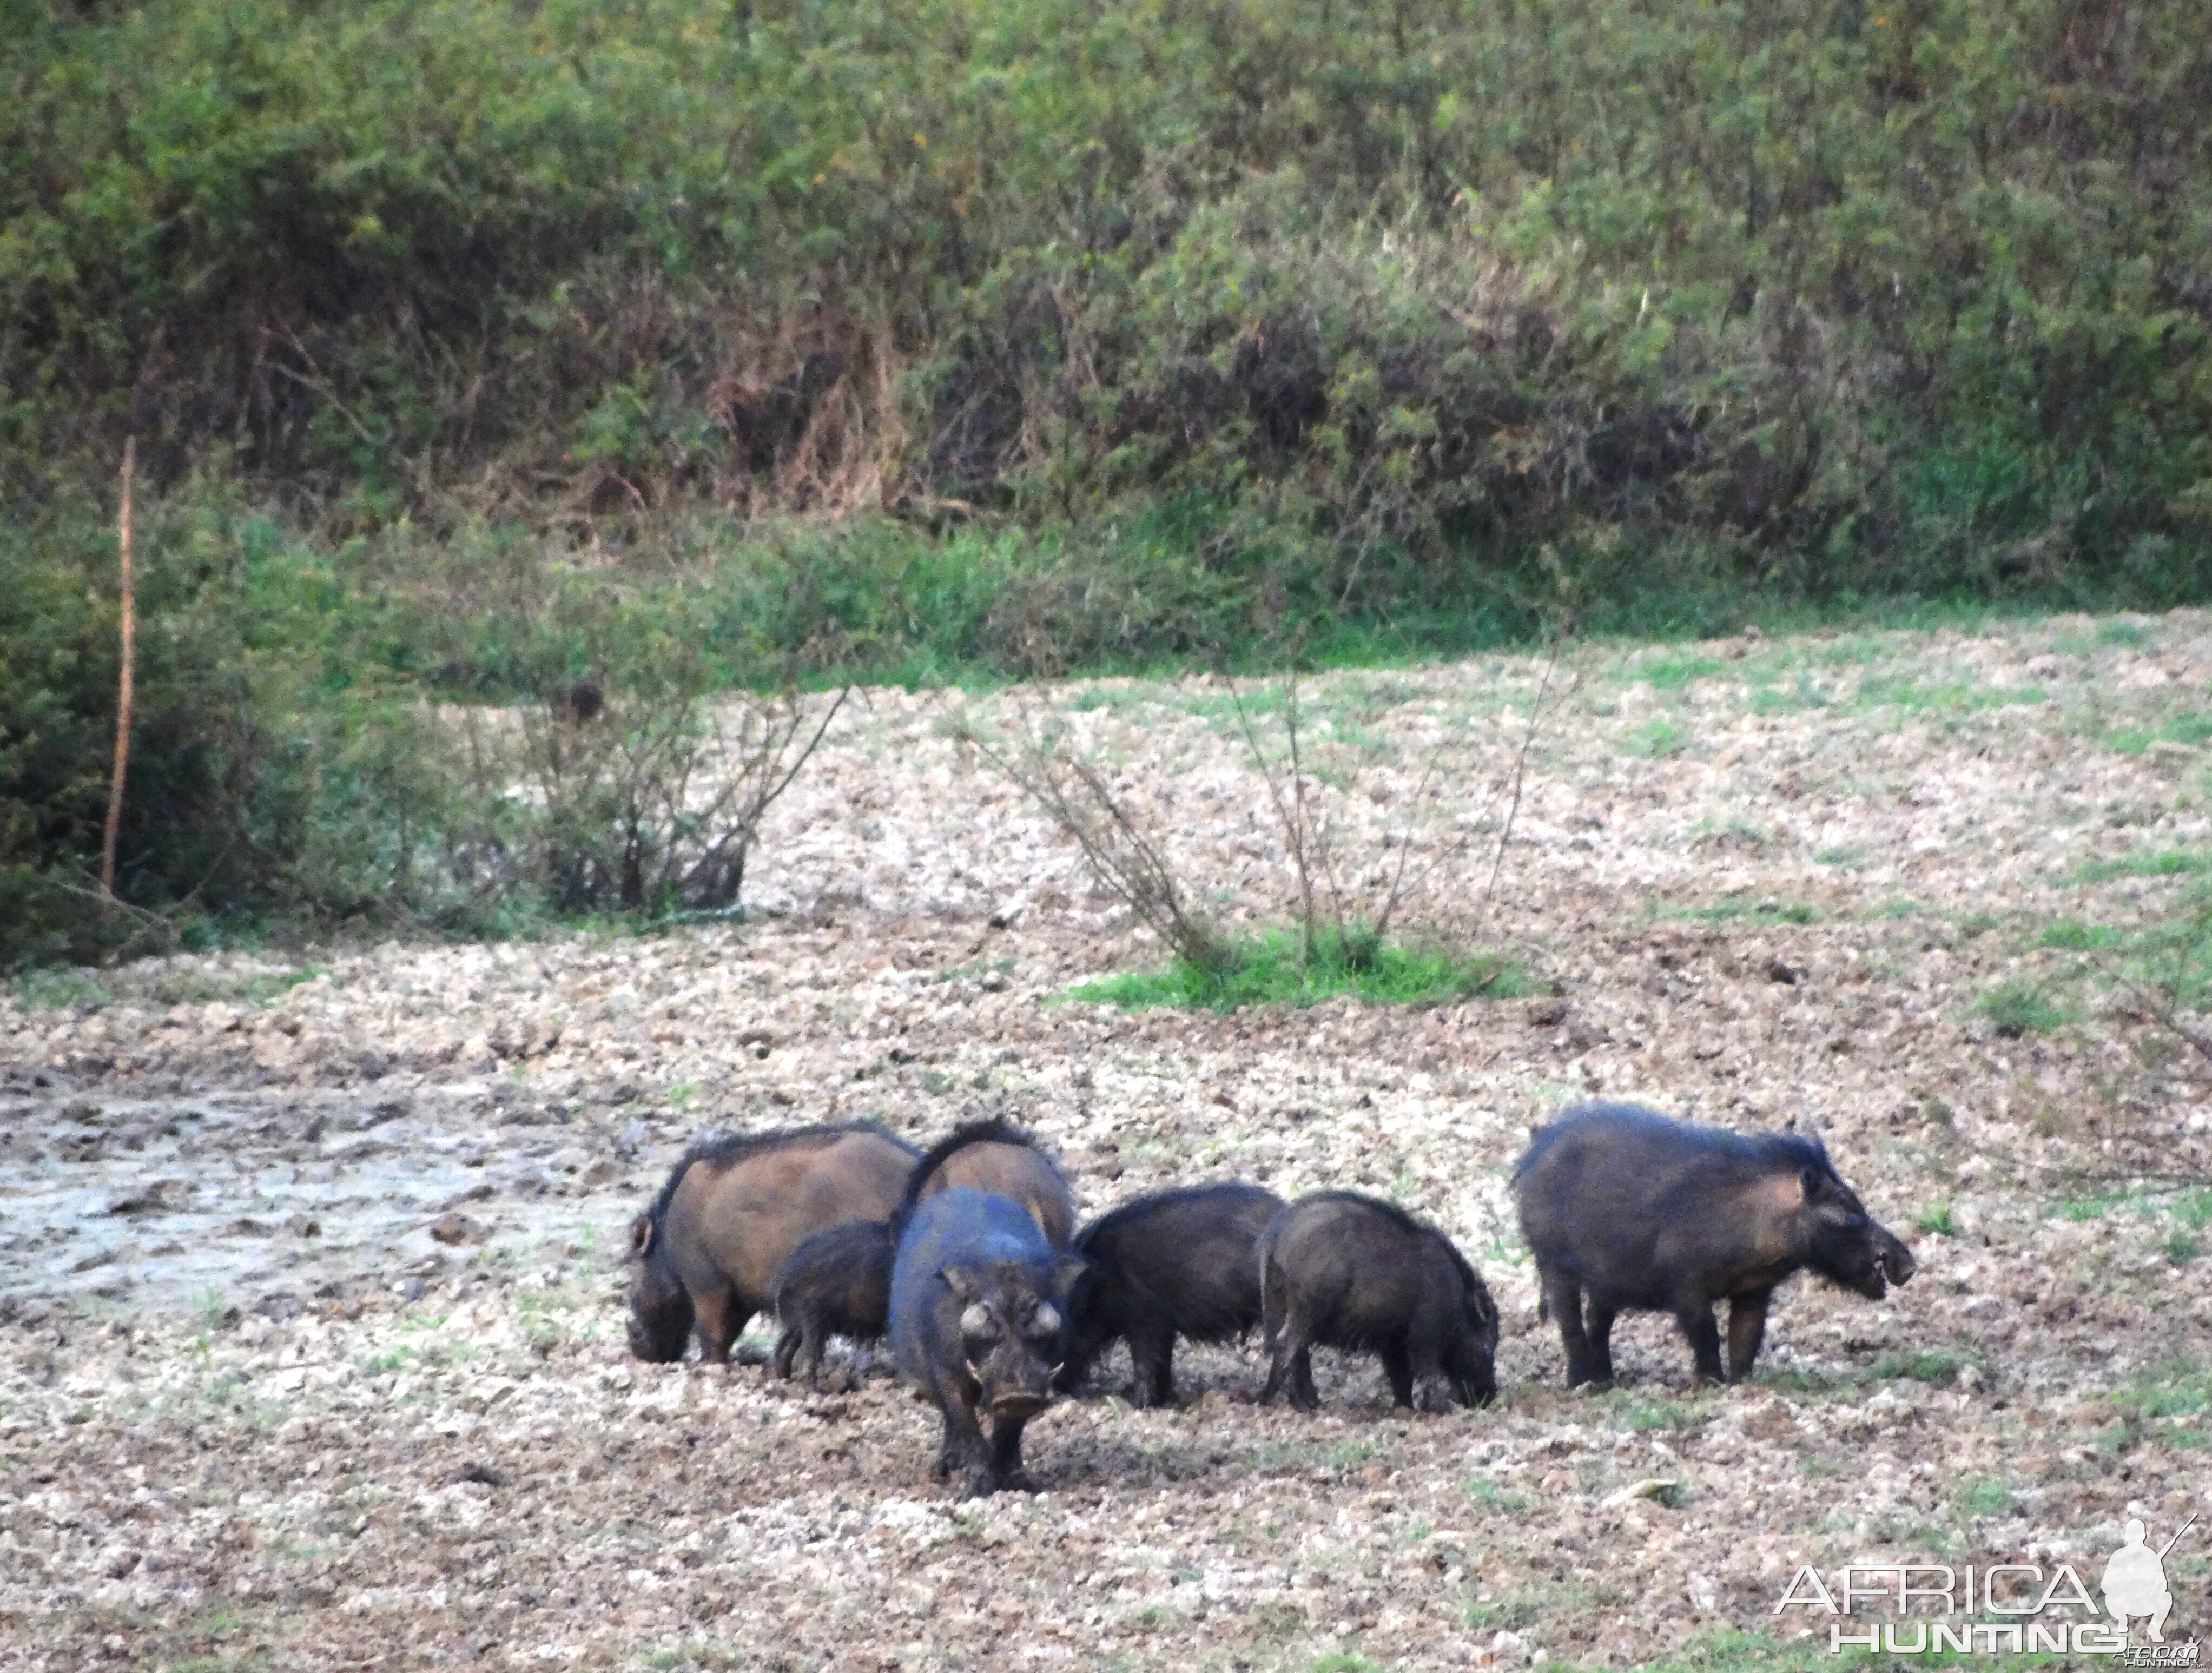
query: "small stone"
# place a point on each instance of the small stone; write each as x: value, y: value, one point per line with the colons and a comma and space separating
x: 457, y: 1228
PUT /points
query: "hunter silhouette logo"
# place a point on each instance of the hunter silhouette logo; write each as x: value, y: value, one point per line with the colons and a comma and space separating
x: 2035, y: 1610
x: 2135, y: 1580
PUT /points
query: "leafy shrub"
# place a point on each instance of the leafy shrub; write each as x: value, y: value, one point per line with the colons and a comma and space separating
x: 2017, y: 1008
x: 1421, y: 302
x: 283, y: 767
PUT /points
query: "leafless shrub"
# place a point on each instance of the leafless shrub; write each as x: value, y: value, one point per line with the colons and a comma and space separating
x: 1353, y: 900
x: 1123, y: 853
x: 1307, y: 788
x: 652, y: 799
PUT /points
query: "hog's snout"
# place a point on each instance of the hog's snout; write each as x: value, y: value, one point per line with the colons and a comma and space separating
x: 1894, y: 1261
x: 1017, y: 1404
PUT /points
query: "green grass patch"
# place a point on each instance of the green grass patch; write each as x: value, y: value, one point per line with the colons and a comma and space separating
x: 1935, y: 1367
x: 1935, y: 1219
x: 1986, y: 1495
x: 1955, y: 697
x: 1638, y: 1413
x: 1485, y: 1494
x: 60, y: 986
x: 2020, y: 1007
x: 2145, y: 862
x: 2165, y: 1404
x: 1750, y: 912
x: 2191, y: 727
x: 1670, y: 670
x: 1658, y: 740
x: 2092, y: 1206
x: 1272, y: 969
x: 2069, y: 935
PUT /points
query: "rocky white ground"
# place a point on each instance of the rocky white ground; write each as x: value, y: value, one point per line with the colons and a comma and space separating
x: 311, y: 1347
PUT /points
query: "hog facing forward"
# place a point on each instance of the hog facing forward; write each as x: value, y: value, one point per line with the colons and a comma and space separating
x: 977, y: 1295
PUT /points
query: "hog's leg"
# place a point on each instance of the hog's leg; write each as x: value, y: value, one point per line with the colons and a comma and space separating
x: 1398, y: 1365
x: 1747, y: 1330
x: 965, y: 1451
x: 1304, y: 1394
x: 1278, y: 1366
x: 787, y: 1350
x: 1695, y: 1319
x: 1273, y: 1324
x: 1597, y: 1325
x: 720, y: 1320
x: 1563, y: 1299
x: 1007, y: 1455
x: 1292, y: 1360
x: 1151, y: 1355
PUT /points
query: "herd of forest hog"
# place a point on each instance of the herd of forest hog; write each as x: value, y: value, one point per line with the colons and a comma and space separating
x: 967, y: 1259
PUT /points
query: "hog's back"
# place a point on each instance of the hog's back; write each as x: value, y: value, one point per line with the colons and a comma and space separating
x: 1015, y: 1172
x: 750, y: 1218
x: 1615, y: 1194
x: 1189, y: 1255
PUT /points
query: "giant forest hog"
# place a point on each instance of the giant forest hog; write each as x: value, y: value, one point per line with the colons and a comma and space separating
x: 837, y: 1283
x: 1174, y: 1263
x: 706, y: 1254
x: 976, y: 1321
x: 1345, y: 1270
x: 1623, y: 1208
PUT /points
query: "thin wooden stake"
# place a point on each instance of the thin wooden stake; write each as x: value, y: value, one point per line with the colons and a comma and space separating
x: 123, y: 696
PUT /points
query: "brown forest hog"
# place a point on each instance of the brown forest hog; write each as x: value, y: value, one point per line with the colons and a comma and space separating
x: 995, y: 1155
x: 706, y: 1254
x: 1350, y: 1272
x: 1623, y: 1208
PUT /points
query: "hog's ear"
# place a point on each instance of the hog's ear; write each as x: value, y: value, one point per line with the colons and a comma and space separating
x: 1065, y: 1272
x: 961, y: 1281
x: 641, y: 1235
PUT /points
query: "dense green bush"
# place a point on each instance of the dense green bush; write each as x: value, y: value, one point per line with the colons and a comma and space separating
x: 263, y: 780
x: 289, y: 767
x: 1039, y: 335
x: 1858, y: 293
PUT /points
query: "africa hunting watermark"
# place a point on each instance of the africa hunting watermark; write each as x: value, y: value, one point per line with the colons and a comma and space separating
x: 2133, y: 1587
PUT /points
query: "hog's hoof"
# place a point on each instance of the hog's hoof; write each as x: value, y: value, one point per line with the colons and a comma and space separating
x: 979, y: 1484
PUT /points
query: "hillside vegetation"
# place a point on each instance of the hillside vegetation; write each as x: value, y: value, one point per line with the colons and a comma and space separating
x: 1042, y: 335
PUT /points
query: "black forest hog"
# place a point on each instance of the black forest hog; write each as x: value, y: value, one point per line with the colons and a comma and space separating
x: 1350, y: 1272
x: 1176, y: 1263
x: 1623, y: 1208
x: 837, y: 1283
x: 975, y: 1322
